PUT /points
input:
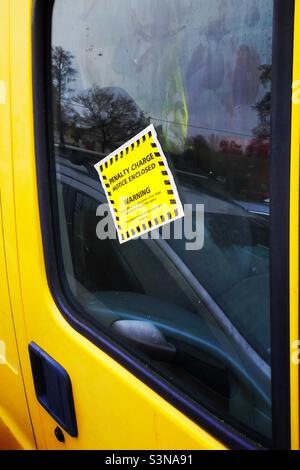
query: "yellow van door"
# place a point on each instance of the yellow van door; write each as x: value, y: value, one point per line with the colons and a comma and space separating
x: 113, y: 408
x: 15, y: 426
x: 179, y: 339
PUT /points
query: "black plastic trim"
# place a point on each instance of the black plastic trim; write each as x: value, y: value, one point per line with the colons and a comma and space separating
x: 53, y: 388
x: 282, y: 47
x: 280, y: 218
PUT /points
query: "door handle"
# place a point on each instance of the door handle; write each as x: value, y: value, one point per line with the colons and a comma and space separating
x: 53, y: 388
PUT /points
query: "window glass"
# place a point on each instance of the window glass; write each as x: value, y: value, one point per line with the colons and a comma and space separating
x: 200, y: 72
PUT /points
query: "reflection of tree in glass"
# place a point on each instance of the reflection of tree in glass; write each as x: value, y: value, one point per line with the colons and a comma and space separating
x: 259, y: 147
x: 63, y: 74
x: 109, y: 114
x: 263, y: 107
x: 239, y: 165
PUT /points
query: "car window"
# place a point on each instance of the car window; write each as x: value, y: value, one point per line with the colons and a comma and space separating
x: 196, y: 310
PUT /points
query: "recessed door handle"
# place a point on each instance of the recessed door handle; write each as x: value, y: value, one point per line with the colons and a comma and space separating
x: 53, y: 388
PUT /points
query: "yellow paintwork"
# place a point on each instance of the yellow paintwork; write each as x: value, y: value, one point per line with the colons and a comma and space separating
x: 114, y: 409
x: 15, y: 426
x: 294, y: 239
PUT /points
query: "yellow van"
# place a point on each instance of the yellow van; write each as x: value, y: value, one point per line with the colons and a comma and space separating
x: 185, y: 337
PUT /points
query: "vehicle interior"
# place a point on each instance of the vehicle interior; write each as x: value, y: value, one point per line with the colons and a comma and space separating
x: 132, y: 306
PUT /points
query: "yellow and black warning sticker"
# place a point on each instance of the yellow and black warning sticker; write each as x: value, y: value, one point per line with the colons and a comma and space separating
x: 139, y: 186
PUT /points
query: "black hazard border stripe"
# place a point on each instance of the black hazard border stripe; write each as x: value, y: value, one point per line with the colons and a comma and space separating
x: 154, y: 223
x: 156, y: 152
x: 165, y: 173
x: 170, y: 190
x: 109, y: 195
x: 160, y: 219
x: 126, y: 151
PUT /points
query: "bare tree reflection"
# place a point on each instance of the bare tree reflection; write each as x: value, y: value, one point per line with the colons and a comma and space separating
x: 63, y: 74
x: 263, y: 107
x: 239, y: 165
x: 98, y: 120
x: 110, y: 115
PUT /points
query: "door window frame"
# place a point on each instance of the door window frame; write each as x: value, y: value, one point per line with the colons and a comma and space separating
x: 282, y: 66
